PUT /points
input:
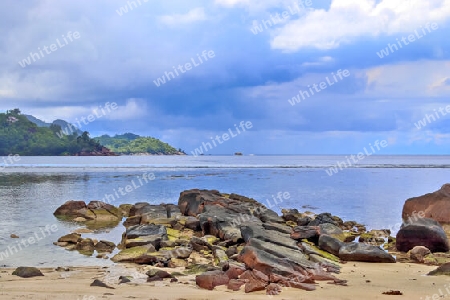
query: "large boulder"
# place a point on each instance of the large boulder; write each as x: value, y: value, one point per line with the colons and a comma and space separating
x: 365, y: 253
x: 330, y: 244
x: 422, y: 232
x: 209, y: 280
x: 434, y: 205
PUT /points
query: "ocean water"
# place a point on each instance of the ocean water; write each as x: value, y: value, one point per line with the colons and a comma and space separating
x: 372, y: 192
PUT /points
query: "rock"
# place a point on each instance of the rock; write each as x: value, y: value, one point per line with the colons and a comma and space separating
x: 234, y: 269
x: 305, y: 232
x: 257, y: 281
x: 441, y: 270
x: 273, y: 289
x: 140, y: 235
x: 235, y: 284
x: 267, y: 263
x: 330, y: 244
x: 79, y: 219
x: 220, y: 257
x: 61, y: 244
x: 125, y: 209
x: 27, y: 272
x: 159, y: 275
x: 176, y: 263
x: 310, y: 249
x: 322, y: 219
x: 105, y: 246
x: 99, y: 283
x: 365, y: 253
x: 95, y: 211
x: 434, y: 205
x: 133, y: 254
x: 209, y: 280
x: 168, y: 243
x: 199, y: 268
x: 83, y: 230
x: 70, y: 238
x: 62, y: 269
x: 193, y: 223
x: 422, y: 232
x: 85, y: 246
x: 257, y: 231
x: 277, y: 227
x: 124, y: 279
x: 295, y: 256
x: 14, y: 236
x: 418, y: 253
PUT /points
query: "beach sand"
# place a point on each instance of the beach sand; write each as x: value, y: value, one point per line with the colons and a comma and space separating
x: 365, y: 281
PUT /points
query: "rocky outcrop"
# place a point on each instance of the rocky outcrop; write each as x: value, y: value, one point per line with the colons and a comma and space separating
x: 365, y: 253
x: 95, y: 214
x: 434, y: 206
x: 422, y: 232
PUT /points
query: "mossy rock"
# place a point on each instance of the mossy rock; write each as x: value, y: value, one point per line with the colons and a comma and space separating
x: 291, y: 223
x: 320, y: 252
x: 125, y: 209
x: 173, y: 234
x: 198, y: 269
x: 211, y: 239
x: 130, y: 254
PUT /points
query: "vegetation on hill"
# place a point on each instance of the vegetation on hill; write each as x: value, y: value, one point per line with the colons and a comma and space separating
x: 18, y: 135
x: 129, y: 143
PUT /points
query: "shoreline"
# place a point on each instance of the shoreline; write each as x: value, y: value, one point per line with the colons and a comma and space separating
x: 407, y: 278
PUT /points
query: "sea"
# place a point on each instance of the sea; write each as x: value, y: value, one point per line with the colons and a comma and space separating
x: 371, y: 192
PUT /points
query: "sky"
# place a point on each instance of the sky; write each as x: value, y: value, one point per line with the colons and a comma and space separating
x: 311, y: 77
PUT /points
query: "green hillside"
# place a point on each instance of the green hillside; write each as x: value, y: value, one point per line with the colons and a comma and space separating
x: 129, y: 143
x: 18, y: 135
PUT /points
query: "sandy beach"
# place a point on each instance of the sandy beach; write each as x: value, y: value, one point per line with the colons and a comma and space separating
x: 365, y: 281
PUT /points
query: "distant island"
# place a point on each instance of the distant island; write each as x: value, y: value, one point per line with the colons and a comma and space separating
x: 26, y: 135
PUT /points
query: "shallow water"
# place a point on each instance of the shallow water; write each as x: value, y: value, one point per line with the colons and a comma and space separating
x: 31, y: 190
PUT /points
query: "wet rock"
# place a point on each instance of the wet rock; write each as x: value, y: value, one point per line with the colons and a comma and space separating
x: 70, y: 238
x: 85, y: 246
x: 125, y: 209
x: 365, y: 253
x: 105, y: 246
x: 27, y: 272
x: 418, y: 253
x: 422, y: 232
x: 209, y: 280
x: 96, y: 213
x: 14, y: 236
x: 124, y: 279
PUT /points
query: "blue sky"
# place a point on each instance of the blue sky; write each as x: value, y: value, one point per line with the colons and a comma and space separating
x: 118, y: 55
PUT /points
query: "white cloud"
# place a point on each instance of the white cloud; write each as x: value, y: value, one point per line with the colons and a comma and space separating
x: 349, y: 19
x: 194, y: 15
x: 134, y: 108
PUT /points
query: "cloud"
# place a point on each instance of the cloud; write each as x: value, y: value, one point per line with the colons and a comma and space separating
x: 133, y: 109
x: 347, y: 20
x: 193, y: 16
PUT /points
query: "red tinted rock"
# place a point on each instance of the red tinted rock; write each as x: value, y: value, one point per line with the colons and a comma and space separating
x: 209, y: 280
x: 235, y: 284
x: 234, y: 271
x: 434, y: 205
x: 273, y: 289
x: 304, y: 232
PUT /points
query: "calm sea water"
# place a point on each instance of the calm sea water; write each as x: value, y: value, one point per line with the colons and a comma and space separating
x: 372, y: 192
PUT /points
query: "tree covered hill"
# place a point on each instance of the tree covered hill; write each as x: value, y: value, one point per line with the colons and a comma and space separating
x: 130, y: 143
x: 18, y: 135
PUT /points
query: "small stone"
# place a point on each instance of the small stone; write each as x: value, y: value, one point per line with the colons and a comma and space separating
x: 14, y: 236
x: 101, y: 284
x: 27, y: 272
